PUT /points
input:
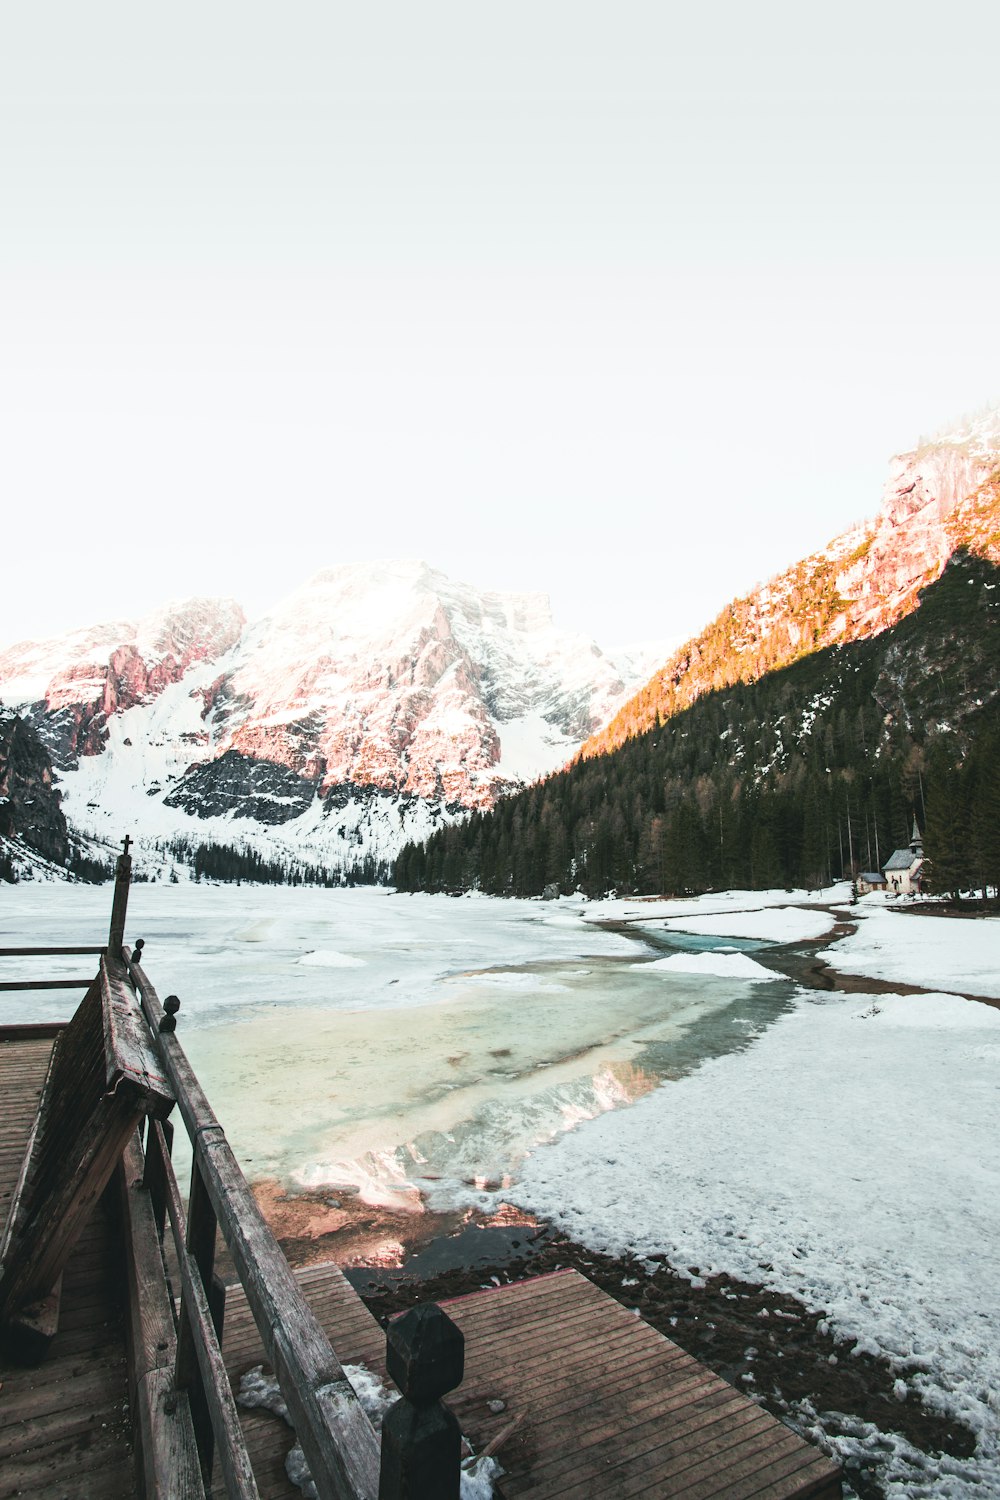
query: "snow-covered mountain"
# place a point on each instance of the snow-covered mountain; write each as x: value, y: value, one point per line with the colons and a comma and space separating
x: 75, y: 683
x: 941, y: 497
x: 374, y: 701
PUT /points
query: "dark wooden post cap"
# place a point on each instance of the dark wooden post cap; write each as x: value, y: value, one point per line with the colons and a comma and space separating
x: 171, y: 1006
x: 425, y: 1353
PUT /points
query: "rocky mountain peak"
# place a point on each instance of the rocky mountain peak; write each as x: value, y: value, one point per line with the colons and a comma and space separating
x: 390, y: 674
x: 74, y: 683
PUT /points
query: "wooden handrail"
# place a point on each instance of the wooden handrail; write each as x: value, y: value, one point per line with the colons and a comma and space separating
x: 9, y: 985
x: 340, y: 1444
x: 197, y: 1318
x: 49, y: 952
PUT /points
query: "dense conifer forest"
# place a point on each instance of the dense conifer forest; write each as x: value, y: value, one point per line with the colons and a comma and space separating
x: 804, y: 776
x: 229, y: 863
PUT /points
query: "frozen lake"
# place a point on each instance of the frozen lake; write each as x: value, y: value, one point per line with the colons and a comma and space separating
x: 408, y: 1049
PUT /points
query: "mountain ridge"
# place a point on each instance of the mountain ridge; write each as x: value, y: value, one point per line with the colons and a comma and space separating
x: 374, y: 700
x: 941, y: 496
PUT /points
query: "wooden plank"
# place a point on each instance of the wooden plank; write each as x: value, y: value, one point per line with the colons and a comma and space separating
x: 44, y: 1245
x: 561, y: 1387
x: 31, y: 1330
x: 652, y: 1420
x: 168, y: 1453
x: 63, y: 1469
x: 11, y: 1299
x: 50, y: 952
x: 706, y: 1428
x: 131, y: 1057
x: 547, y: 1340
x: 31, y: 1408
x: 215, y: 1386
x: 171, y: 1470
x: 14, y: 986
x: 587, y: 1420
x: 812, y: 1482
x: 613, y: 1408
x: 742, y: 1466
x: 354, y: 1333
x: 30, y: 1031
x: 473, y: 1409
x: 796, y: 1474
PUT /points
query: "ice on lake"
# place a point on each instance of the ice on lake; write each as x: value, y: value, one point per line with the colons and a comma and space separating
x: 408, y: 1047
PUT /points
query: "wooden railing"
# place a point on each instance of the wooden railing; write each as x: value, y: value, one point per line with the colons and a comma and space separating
x: 419, y: 1454
x: 337, y: 1437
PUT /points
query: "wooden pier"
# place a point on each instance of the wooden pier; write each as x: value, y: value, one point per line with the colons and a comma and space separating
x: 138, y: 1392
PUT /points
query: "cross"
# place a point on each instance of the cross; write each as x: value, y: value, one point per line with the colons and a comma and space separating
x: 126, y: 841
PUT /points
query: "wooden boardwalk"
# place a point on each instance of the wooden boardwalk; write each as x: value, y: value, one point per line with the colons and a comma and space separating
x: 608, y: 1407
x: 578, y: 1397
x: 64, y: 1427
x: 587, y: 1400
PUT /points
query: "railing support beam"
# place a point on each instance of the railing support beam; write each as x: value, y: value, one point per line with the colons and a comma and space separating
x: 202, y: 1225
x: 119, y: 907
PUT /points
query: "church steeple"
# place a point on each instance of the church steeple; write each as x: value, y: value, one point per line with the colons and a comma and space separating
x: 916, y: 841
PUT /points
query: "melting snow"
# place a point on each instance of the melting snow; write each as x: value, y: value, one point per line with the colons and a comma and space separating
x: 262, y: 1392
x: 719, y: 965
x: 848, y: 1158
x: 329, y: 958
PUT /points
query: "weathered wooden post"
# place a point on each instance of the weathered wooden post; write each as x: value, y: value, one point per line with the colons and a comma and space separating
x: 421, y: 1441
x: 202, y: 1226
x: 123, y: 878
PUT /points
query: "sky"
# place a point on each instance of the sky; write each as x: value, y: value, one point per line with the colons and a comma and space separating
x: 630, y: 304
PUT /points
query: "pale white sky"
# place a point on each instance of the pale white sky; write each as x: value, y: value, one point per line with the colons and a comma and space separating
x: 629, y: 303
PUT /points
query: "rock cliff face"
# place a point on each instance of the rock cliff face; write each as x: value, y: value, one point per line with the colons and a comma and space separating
x: 392, y: 676
x: 73, y: 685
x: 942, y: 497
x: 245, y: 788
x: 29, y: 801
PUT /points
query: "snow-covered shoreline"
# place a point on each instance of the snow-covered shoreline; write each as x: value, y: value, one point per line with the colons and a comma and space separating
x: 847, y: 1158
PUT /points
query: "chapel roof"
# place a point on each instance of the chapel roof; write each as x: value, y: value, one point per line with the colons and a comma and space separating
x: 902, y: 859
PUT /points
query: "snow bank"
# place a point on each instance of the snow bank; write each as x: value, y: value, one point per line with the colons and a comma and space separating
x: 630, y: 908
x: 329, y: 958
x: 847, y: 1158
x: 718, y: 965
x: 782, y: 924
x: 948, y: 953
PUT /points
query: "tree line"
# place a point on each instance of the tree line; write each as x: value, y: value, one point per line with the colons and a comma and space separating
x: 237, y: 864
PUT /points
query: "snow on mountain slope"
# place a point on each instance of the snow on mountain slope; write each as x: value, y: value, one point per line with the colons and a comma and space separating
x: 391, y: 675
x: 374, y: 701
x: 75, y: 683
